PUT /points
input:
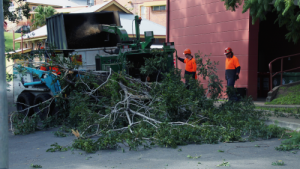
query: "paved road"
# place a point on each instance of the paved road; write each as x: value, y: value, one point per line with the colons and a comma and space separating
x: 31, y: 149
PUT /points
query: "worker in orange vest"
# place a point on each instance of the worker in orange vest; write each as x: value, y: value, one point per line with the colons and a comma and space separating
x: 232, y: 72
x: 190, y: 65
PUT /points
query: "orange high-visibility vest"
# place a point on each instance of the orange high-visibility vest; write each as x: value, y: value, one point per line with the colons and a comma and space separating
x: 232, y: 63
x: 190, y: 65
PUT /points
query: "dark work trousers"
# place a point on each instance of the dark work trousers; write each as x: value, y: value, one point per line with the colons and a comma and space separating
x: 230, y: 84
x: 188, y: 76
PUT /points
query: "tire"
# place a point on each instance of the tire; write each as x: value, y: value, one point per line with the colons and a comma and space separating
x: 47, y: 111
x: 25, y: 100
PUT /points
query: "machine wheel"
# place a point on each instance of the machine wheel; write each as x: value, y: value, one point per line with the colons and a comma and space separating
x: 49, y: 110
x: 25, y: 100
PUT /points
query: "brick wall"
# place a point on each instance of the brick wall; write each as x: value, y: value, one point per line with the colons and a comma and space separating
x: 158, y: 17
x: 205, y: 25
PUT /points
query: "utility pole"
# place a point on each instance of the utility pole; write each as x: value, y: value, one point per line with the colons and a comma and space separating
x: 3, y: 100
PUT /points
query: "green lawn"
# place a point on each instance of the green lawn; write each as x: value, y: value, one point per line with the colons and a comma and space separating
x: 9, y: 41
x: 291, y: 98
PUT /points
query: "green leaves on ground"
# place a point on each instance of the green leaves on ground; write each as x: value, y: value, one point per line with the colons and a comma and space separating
x: 291, y: 143
x: 56, y: 147
x: 191, y: 157
x: 278, y: 163
x: 224, y: 164
x: 36, y: 166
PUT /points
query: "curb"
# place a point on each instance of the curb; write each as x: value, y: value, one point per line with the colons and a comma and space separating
x: 284, y: 124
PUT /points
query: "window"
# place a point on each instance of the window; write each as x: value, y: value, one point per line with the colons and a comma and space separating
x: 159, y: 8
x: 143, y: 12
x: 33, y: 8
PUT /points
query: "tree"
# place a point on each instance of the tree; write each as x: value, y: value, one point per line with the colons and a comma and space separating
x: 41, y: 15
x: 22, y: 10
x: 287, y: 10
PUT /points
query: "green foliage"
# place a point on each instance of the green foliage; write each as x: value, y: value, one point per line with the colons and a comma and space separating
x: 127, y: 111
x: 24, y: 124
x: 191, y: 157
x: 9, y: 77
x: 156, y: 64
x: 36, y: 166
x: 56, y: 147
x: 278, y: 163
x: 208, y: 69
x: 224, y: 164
x: 288, y: 13
x: 291, y: 143
x: 41, y: 14
x: 22, y: 10
x: 107, y: 141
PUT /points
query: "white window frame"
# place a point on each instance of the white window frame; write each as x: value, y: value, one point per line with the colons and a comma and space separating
x: 159, y: 8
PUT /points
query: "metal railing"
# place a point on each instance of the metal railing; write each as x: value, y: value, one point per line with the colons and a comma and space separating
x: 281, y: 70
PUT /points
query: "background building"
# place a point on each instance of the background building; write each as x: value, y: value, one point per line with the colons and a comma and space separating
x: 56, y: 4
x: 153, y: 10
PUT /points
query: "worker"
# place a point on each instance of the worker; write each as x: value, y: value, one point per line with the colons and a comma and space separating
x: 232, y: 72
x: 190, y: 66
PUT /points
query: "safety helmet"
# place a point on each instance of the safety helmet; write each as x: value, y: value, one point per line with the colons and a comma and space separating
x: 227, y: 50
x: 187, y: 51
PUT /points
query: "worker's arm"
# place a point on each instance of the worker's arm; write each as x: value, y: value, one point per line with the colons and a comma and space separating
x: 237, y: 66
x: 182, y: 60
x: 237, y: 70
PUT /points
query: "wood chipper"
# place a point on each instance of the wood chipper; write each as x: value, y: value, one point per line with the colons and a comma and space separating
x: 101, y: 44
x: 101, y: 41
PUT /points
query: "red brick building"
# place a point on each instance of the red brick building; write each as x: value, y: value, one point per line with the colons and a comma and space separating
x: 207, y: 26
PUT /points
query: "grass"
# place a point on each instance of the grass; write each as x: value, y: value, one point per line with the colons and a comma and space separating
x: 9, y: 41
x: 292, y: 98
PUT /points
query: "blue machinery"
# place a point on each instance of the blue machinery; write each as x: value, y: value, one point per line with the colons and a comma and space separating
x: 46, y: 78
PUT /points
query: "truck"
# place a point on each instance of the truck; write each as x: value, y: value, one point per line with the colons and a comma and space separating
x: 100, y: 44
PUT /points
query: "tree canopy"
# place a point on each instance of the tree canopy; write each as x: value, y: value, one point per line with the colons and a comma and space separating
x: 22, y: 9
x: 287, y: 10
x: 41, y: 14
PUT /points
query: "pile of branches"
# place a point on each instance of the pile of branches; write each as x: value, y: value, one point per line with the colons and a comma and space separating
x: 119, y: 109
